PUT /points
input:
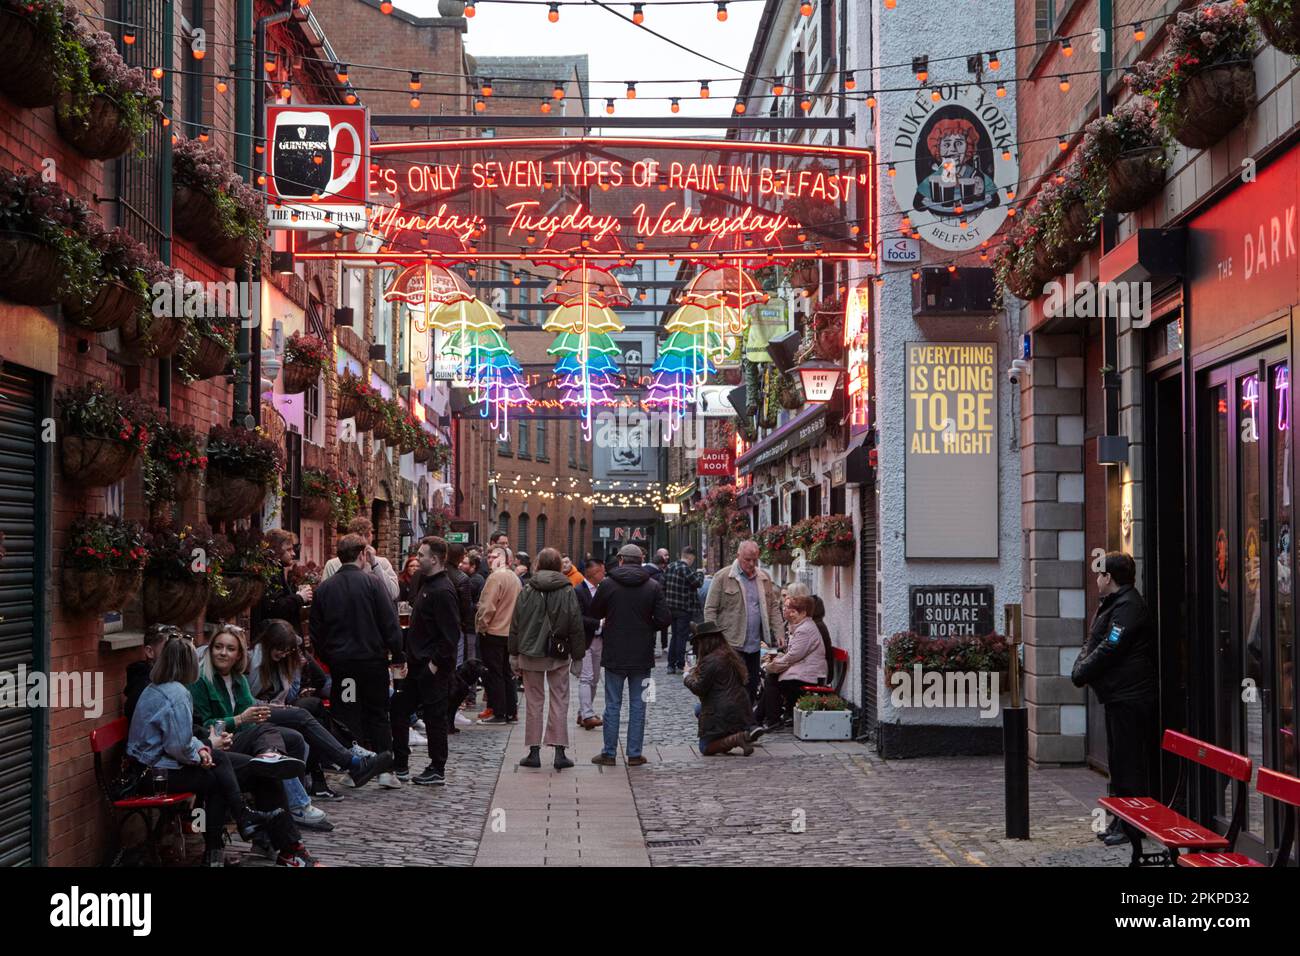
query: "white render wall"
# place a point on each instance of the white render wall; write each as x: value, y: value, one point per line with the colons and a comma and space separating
x: 898, y: 35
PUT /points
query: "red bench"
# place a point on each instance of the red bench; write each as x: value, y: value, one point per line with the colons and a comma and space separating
x: 1168, y: 827
x: 104, y: 741
x: 1269, y: 783
x: 839, y: 668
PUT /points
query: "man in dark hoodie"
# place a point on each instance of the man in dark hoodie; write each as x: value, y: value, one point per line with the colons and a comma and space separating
x: 633, y: 606
x: 1119, y: 663
x: 431, y: 660
x: 464, y: 599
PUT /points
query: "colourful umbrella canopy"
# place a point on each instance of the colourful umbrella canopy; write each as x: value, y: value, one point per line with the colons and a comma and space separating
x: 597, y: 285
x: 729, y: 286
x: 444, y: 287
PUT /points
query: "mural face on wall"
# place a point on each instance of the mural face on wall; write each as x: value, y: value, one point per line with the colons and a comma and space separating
x: 955, y: 166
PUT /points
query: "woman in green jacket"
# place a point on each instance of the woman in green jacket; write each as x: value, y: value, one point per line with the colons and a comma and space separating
x: 546, y: 634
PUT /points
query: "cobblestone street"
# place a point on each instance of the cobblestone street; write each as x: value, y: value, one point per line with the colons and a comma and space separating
x: 791, y: 803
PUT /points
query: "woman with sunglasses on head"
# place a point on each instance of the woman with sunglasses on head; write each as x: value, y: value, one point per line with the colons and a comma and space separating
x: 275, y: 676
x: 162, y: 737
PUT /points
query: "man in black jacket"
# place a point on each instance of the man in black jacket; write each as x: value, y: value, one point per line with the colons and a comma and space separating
x: 354, y: 628
x: 280, y: 599
x: 431, y: 663
x: 592, y: 574
x: 1119, y: 664
x: 464, y: 601
x: 633, y: 606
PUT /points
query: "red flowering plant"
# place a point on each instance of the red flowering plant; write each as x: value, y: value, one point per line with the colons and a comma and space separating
x: 821, y: 531
x: 308, y: 574
x: 31, y: 207
x: 308, y: 350
x: 336, y: 488
x: 174, y: 450
x: 986, y: 652
x: 247, y: 552
x: 131, y: 88
x: 1210, y: 35
x: 353, y: 388
x: 94, y: 410
x: 719, y: 507
x: 438, y: 521
x: 105, y: 543
x: 774, y: 538
x: 186, y: 554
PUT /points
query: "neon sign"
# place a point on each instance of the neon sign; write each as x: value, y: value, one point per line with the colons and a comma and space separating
x: 857, y: 344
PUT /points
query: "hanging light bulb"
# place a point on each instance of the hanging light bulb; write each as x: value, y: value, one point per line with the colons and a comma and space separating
x: 469, y: 10
x: 350, y: 98
x: 850, y: 82
x: 157, y: 72
x: 740, y: 107
x: 546, y: 106
x: 806, y: 8
x: 1001, y: 90
x: 995, y: 61
x: 1139, y: 34
x: 128, y: 35
x: 638, y: 13
x: 891, y: 171
x: 952, y: 267
x: 871, y: 102
x: 631, y: 91
x: 921, y: 67
x: 704, y: 89
x: 270, y: 64
x: 554, y: 13
x: 609, y: 106
x: 805, y: 104
x: 386, y: 7
x: 1062, y: 145
x: 286, y: 90
x: 934, y: 95
x: 916, y: 274
x: 1066, y: 48
x: 516, y: 279
x: 676, y: 106
x: 204, y: 136
x: 479, y: 104
x: 722, y: 11
x: 778, y: 86
x: 341, y: 71
x: 641, y: 294
x: 532, y: 238
x: 415, y: 83
x: 222, y: 86
x: 1006, y: 155
x: 486, y: 89
x: 198, y: 52
x: 415, y: 101
x: 1065, y: 83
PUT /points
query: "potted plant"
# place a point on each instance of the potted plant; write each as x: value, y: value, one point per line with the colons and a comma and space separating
x: 46, y: 250
x: 906, y: 650
x: 1204, y: 82
x: 207, y: 346
x: 318, y: 493
x: 213, y: 207
x: 829, y: 540
x: 305, y: 357
x: 822, y: 717
x: 244, y: 466
x: 409, y: 435
x: 775, y: 545
x: 101, y: 564
x: 173, y: 464
x: 123, y: 288
x: 1125, y: 154
x: 102, y: 433
x: 247, y: 565
x: 424, y: 444
x: 184, y: 566
x: 1279, y: 21
x: 826, y: 323
x: 107, y: 115
x: 39, y: 52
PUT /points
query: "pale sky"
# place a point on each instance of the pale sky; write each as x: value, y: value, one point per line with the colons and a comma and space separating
x: 620, y: 51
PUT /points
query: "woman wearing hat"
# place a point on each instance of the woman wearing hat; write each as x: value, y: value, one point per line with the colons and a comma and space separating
x: 718, y: 679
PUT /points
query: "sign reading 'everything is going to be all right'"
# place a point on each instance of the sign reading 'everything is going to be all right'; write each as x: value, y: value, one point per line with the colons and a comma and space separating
x: 951, y: 463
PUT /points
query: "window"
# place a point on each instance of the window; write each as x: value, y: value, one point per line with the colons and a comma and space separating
x: 382, y: 333
x: 815, y: 500
x: 1044, y: 19
x: 503, y: 445
x: 312, y: 426
x: 573, y: 524
x: 796, y: 507
x: 573, y: 443
x: 828, y: 34
x: 522, y: 543
x: 503, y: 523
x: 522, y: 451
x: 139, y: 176
x: 837, y: 500
x: 541, y: 532
x: 582, y: 536
x: 541, y: 440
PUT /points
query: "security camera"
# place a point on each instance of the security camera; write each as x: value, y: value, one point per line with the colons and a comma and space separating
x: 1018, y: 368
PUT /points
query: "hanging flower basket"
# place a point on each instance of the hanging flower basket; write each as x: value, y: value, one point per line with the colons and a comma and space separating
x: 782, y: 557
x: 348, y: 406
x: 830, y: 344
x: 168, y: 601
x: 382, y: 428
x: 208, y: 360
x: 228, y: 251
x: 96, y: 462
x: 101, y: 133
x: 230, y: 496
x: 1282, y: 29
x: 370, y: 419
x: 145, y: 335
x: 94, y: 592
x: 1211, y: 103
x: 422, y: 455
x: 27, y: 74
x: 315, y: 508
x: 193, y: 214
x: 114, y: 303
x: 1026, y: 283
x: 30, y: 271
x: 833, y: 555
x: 1134, y: 179
x: 242, y: 592
x: 297, y: 377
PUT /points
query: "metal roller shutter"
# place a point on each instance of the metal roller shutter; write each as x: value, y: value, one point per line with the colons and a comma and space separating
x: 22, y: 506
x: 867, y: 582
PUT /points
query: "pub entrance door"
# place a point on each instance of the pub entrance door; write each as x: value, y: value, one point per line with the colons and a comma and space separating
x: 1248, y: 571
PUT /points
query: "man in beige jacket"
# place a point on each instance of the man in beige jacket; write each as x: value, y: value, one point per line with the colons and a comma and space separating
x: 496, y: 608
x: 743, y: 601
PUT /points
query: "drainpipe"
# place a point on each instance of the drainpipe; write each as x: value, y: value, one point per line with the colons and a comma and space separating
x: 165, y: 204
x: 244, y: 83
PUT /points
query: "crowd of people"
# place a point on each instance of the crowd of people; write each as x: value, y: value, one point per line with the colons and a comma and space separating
x: 390, y: 660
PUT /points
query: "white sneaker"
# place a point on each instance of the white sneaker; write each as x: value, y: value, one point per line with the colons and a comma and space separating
x: 419, y: 727
x: 313, y: 818
x: 361, y: 751
x: 462, y: 720
x: 389, y: 781
x: 417, y: 739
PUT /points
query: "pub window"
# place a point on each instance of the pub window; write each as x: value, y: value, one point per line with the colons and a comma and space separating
x: 541, y: 532
x: 796, y: 507
x: 541, y: 441
x: 837, y: 500
x: 573, y: 443
x: 582, y: 536
x: 503, y: 523
x: 828, y: 34
x: 311, y: 400
x: 522, y: 543
x: 522, y: 450
x: 815, y: 500
x: 572, y: 529
x: 139, y: 173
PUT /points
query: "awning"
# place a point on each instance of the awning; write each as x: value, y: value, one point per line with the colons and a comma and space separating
x: 803, y: 429
x: 857, y: 462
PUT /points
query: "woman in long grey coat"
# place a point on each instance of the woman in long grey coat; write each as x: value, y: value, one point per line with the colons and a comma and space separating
x: 546, y: 633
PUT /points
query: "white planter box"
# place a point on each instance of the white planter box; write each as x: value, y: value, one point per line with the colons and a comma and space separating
x: 823, y: 724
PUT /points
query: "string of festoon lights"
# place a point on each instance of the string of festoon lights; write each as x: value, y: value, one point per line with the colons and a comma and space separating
x: 602, y: 492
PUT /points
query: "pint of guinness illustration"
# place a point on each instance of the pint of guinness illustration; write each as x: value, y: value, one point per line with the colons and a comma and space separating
x: 303, y: 159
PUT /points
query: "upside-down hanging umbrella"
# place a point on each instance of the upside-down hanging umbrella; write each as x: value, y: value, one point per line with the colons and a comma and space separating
x: 425, y: 286
x: 586, y: 370
x: 597, y: 285
x: 484, y: 358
